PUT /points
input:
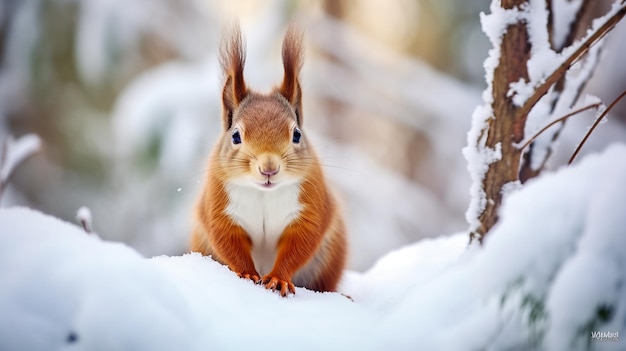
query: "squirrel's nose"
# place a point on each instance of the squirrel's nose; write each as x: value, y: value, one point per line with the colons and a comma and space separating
x: 269, y: 171
x: 268, y: 164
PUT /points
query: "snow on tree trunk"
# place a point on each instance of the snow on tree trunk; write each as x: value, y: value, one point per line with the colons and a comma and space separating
x: 534, y: 74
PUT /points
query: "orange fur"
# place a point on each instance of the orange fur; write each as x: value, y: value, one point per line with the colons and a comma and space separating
x: 311, y: 249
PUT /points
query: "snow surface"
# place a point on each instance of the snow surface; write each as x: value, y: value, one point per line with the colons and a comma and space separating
x: 556, y: 258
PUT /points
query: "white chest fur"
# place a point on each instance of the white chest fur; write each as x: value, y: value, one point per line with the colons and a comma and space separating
x: 264, y: 215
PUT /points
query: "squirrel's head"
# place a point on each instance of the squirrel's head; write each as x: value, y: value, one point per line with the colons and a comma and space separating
x: 262, y: 144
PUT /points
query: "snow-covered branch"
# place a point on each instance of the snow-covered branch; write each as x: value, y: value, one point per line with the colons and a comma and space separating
x: 574, y: 53
x: 532, y: 77
x: 15, y: 152
x: 83, y: 216
x: 561, y: 90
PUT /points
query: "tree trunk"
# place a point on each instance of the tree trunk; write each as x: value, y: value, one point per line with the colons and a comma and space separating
x: 499, y: 165
x: 506, y: 127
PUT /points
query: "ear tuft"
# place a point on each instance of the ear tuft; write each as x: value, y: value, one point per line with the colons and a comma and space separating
x: 232, y: 60
x: 292, y: 63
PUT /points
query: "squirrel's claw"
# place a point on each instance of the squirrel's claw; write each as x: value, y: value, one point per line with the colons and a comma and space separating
x: 284, y: 287
x: 254, y: 277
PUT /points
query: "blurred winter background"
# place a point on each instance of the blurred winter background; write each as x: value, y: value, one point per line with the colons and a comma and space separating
x: 125, y: 96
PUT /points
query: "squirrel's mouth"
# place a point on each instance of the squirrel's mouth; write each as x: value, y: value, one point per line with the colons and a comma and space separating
x: 268, y: 184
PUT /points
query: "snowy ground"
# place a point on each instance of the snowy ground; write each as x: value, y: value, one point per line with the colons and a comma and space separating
x: 551, y: 272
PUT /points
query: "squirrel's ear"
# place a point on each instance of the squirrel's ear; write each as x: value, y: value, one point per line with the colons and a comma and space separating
x: 232, y: 60
x: 292, y: 62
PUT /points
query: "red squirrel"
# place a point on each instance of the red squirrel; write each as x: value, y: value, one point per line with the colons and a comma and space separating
x: 266, y: 211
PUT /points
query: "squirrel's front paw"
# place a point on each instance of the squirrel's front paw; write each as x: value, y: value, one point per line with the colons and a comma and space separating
x: 252, y: 276
x: 284, y: 287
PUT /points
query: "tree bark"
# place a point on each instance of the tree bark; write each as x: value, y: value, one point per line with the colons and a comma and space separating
x: 506, y: 127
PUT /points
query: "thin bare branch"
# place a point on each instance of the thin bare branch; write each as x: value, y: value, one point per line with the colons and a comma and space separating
x: 593, y: 127
x: 558, y: 120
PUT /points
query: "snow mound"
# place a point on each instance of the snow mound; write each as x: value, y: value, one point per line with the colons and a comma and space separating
x: 550, y: 276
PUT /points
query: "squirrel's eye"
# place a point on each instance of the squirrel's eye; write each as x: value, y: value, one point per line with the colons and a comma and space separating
x: 297, y: 134
x: 236, y: 137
